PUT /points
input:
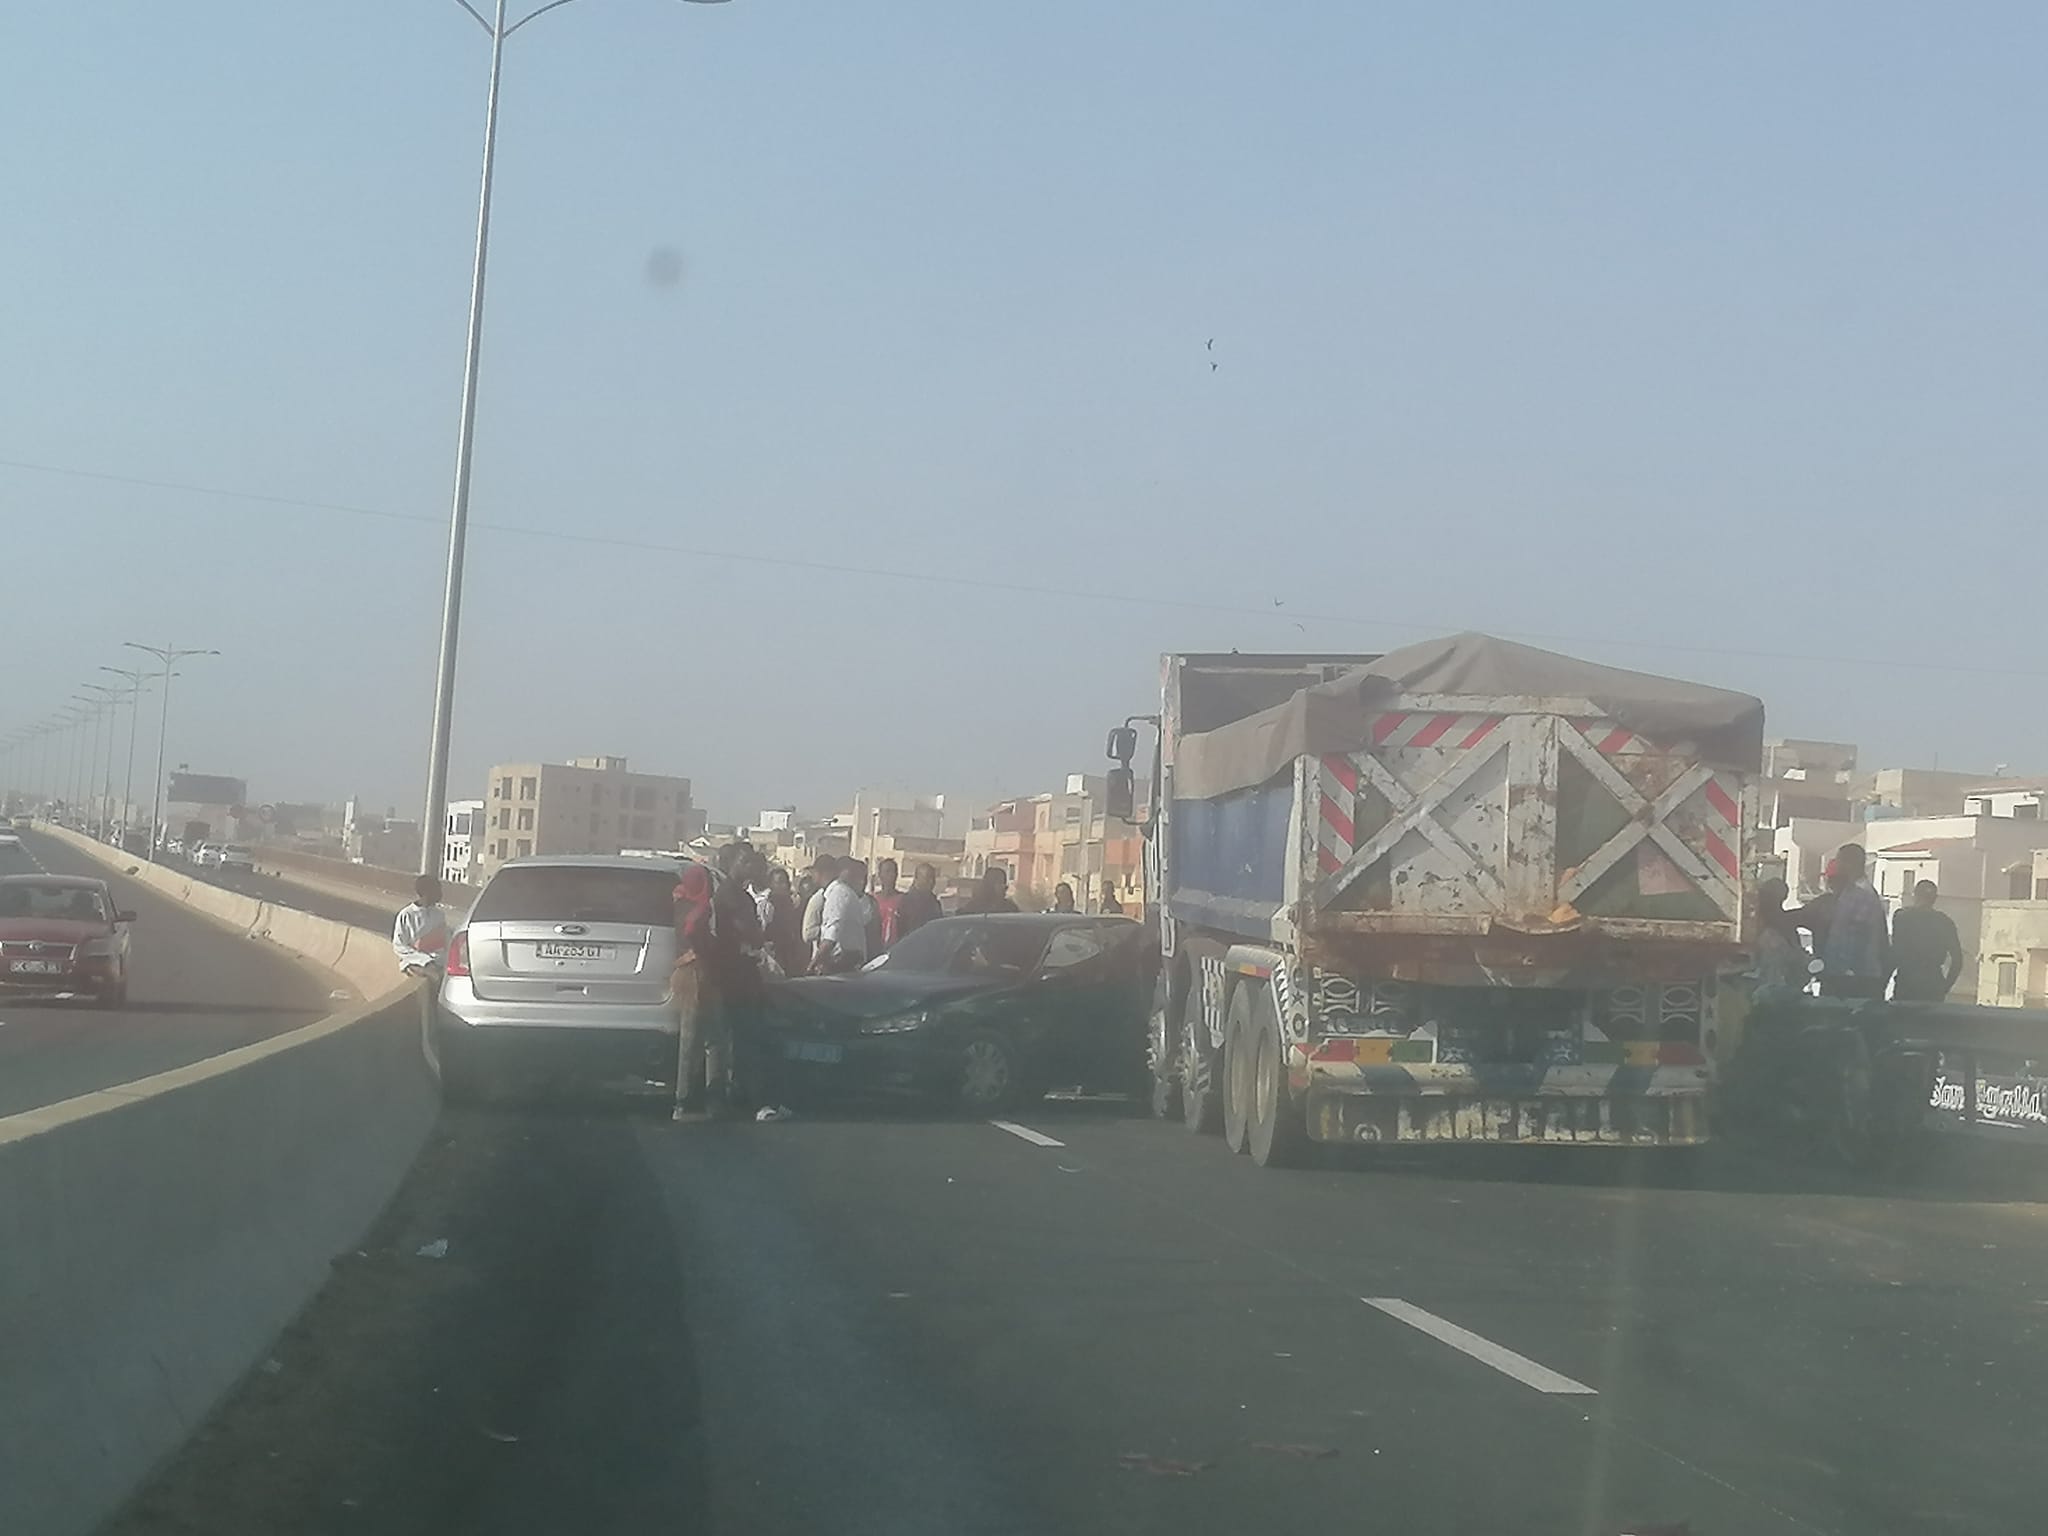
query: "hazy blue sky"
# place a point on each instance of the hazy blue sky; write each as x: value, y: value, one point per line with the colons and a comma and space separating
x: 1636, y: 327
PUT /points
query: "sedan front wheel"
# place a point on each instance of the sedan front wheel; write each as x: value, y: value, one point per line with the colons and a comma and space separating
x: 991, y: 1075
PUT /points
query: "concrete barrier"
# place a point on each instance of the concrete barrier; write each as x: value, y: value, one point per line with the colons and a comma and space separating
x: 155, y: 1237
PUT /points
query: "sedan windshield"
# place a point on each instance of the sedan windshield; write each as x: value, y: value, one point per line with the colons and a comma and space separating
x: 57, y: 903
x: 964, y: 947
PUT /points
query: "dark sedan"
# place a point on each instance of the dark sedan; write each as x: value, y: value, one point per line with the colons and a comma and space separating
x: 984, y: 1012
x: 62, y: 936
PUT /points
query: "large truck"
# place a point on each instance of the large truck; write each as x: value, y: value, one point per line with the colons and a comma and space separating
x: 1470, y: 891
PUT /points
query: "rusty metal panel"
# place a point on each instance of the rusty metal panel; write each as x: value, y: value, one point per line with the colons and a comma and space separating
x: 1483, y: 815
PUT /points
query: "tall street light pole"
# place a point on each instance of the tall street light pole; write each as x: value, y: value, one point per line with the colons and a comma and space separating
x: 137, y: 680
x: 436, y: 812
x: 75, y: 711
x: 170, y: 656
x: 103, y: 710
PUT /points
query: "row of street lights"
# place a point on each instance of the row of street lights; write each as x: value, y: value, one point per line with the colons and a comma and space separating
x: 92, y: 760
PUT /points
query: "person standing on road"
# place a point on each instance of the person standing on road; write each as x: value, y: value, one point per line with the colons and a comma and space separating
x: 888, y: 903
x: 1111, y: 905
x: 737, y: 935
x: 823, y: 873
x: 920, y: 902
x: 1927, y: 953
x: 1063, y: 898
x: 843, y: 924
x: 1856, y: 954
x: 420, y: 936
x: 697, y: 1013
x: 1781, y: 960
x: 785, y: 924
x: 992, y: 895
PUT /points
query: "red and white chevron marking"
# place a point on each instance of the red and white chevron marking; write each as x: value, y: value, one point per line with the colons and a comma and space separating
x: 1727, y: 810
x: 1431, y: 728
x: 1336, y: 837
x: 1611, y: 740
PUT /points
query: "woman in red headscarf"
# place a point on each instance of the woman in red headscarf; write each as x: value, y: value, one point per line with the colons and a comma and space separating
x: 696, y: 1013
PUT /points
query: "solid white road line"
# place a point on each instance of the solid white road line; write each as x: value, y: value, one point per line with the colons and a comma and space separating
x: 1025, y: 1133
x: 1502, y: 1359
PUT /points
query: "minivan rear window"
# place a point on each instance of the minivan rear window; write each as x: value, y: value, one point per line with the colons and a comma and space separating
x: 563, y: 893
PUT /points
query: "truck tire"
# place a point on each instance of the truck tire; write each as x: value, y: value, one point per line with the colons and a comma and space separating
x: 1237, y: 1065
x: 1162, y: 1053
x: 1278, y: 1134
x: 1201, y: 1077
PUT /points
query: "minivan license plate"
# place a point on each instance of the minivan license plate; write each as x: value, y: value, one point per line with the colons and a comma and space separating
x: 37, y: 967
x: 552, y: 951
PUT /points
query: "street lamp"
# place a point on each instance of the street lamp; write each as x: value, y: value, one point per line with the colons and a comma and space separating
x: 170, y: 656
x: 72, y: 719
x: 137, y: 681
x: 458, y: 517
x: 104, y: 709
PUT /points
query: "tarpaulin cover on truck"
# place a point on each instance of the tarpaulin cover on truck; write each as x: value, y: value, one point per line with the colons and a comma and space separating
x: 1722, y: 729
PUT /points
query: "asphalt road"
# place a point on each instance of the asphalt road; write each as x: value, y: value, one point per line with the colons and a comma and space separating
x: 852, y: 1324
x: 195, y: 990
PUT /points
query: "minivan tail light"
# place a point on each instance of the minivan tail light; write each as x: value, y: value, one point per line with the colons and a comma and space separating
x: 458, y: 954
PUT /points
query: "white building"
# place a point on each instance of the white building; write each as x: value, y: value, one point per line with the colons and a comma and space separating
x: 460, y: 850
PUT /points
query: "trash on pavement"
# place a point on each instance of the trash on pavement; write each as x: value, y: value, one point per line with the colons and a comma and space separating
x: 1159, y: 1466
x: 1298, y: 1452
x: 437, y: 1249
x: 272, y: 1366
x: 768, y: 1112
x: 501, y: 1437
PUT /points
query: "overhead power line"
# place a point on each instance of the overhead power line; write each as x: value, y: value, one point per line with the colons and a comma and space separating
x: 1129, y: 598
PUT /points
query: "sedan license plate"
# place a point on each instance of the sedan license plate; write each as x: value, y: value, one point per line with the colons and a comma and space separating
x: 813, y: 1050
x: 36, y: 967
x: 553, y: 951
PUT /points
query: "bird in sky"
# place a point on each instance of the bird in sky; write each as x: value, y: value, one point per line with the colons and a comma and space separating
x: 1209, y: 345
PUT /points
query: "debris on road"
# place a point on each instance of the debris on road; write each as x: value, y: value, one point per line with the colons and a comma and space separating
x: 1159, y: 1466
x: 501, y: 1437
x: 272, y: 1366
x: 437, y: 1249
x: 1298, y: 1452
x: 771, y: 1112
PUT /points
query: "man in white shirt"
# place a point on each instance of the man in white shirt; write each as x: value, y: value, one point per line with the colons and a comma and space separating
x: 420, y: 936
x: 843, y: 924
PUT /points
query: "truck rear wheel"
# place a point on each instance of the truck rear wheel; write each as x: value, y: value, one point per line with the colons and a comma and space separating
x: 1278, y: 1135
x: 1201, y: 1083
x: 1237, y: 1066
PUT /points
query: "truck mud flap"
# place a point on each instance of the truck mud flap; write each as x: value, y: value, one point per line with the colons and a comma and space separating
x: 1667, y: 1120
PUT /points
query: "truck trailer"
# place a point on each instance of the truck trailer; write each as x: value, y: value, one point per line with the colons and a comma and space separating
x: 1469, y: 891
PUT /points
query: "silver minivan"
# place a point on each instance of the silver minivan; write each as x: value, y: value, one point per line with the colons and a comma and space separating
x: 563, y: 959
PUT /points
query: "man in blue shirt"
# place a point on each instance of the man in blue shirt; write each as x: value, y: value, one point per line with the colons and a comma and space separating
x: 1856, y: 955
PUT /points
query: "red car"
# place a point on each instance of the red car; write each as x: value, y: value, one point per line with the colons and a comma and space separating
x: 62, y: 936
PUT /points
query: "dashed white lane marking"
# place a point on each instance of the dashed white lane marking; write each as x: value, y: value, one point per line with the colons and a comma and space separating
x: 1501, y: 1358
x: 1025, y: 1133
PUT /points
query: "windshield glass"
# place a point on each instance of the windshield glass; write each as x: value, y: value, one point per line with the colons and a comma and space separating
x: 567, y: 893
x: 80, y: 904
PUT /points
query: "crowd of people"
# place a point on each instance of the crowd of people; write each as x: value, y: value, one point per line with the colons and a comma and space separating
x: 1920, y: 958
x: 752, y: 921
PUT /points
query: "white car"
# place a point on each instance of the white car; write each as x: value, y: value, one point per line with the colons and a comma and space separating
x: 206, y: 855
x: 9, y: 838
x: 235, y: 856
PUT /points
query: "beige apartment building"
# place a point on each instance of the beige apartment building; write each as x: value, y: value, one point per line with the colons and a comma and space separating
x: 586, y: 805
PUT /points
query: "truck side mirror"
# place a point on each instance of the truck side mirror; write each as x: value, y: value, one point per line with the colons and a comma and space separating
x: 1123, y: 745
x: 1119, y: 795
